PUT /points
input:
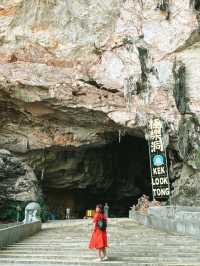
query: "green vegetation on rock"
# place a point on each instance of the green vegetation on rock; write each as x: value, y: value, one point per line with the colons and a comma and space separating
x: 44, y: 209
x: 163, y: 5
x: 195, y: 4
x: 197, y: 159
x: 8, y: 212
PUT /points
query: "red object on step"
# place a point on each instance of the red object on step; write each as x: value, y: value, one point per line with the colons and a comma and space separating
x: 99, y: 237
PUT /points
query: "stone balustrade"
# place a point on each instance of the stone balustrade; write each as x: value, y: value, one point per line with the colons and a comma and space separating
x: 17, y: 232
x: 173, y: 219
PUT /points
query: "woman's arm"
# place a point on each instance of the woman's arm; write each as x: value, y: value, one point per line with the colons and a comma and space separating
x: 95, y: 220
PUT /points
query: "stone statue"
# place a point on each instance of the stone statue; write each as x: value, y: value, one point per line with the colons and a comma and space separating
x: 68, y: 211
x: 32, y: 213
x: 106, y: 209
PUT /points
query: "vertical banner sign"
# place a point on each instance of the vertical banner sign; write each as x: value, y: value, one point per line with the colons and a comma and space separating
x: 158, y: 161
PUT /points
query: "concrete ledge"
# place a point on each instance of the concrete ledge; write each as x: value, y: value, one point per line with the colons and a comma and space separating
x: 2, y: 226
x: 15, y: 233
x: 183, y: 221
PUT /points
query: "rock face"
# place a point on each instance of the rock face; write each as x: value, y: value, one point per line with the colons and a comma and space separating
x: 18, y: 181
x: 75, y: 73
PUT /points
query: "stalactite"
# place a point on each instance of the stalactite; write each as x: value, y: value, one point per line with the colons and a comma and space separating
x: 42, y: 175
x: 179, y: 91
x: 130, y: 89
x: 119, y: 135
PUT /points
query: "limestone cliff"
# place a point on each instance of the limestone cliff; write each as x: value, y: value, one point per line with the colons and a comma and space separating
x: 18, y: 181
x: 73, y: 74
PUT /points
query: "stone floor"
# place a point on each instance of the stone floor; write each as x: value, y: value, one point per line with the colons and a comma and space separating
x: 66, y: 243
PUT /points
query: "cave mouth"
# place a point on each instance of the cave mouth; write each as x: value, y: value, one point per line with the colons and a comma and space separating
x: 117, y: 173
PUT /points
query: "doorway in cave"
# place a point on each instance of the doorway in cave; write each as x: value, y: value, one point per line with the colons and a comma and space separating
x: 116, y: 173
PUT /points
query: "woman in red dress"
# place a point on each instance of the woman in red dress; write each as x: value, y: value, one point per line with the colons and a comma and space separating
x: 99, y: 236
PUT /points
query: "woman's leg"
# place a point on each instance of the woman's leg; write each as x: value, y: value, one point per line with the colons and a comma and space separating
x: 99, y: 258
x: 99, y: 253
x: 104, y: 252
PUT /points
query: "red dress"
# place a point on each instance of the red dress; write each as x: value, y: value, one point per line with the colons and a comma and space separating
x: 99, y: 237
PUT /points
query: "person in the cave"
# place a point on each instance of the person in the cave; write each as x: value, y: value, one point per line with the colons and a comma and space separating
x: 99, y: 235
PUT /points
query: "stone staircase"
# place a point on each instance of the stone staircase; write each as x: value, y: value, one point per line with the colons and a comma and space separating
x: 66, y: 243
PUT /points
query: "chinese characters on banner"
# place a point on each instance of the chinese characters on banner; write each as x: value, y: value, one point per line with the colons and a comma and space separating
x: 158, y: 161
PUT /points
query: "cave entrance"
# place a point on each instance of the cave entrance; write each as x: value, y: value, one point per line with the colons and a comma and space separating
x: 117, y: 173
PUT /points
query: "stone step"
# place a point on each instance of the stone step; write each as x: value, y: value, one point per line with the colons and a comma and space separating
x: 113, y: 243
x: 129, y: 253
x: 153, y: 236
x: 68, y: 260
x: 121, y: 245
x: 113, y: 247
x: 51, y: 255
x: 130, y: 239
x: 108, y: 263
x: 130, y: 244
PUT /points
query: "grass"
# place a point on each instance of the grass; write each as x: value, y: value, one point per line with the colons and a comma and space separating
x: 195, y: 120
x: 98, y: 50
x: 128, y: 40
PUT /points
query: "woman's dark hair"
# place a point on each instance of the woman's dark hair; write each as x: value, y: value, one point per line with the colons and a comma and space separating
x: 100, y: 206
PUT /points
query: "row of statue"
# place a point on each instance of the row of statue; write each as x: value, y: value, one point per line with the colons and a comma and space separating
x: 33, y: 211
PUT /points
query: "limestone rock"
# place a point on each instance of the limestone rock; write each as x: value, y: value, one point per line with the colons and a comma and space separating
x: 189, y: 142
x: 186, y: 189
x: 17, y: 179
x: 75, y: 73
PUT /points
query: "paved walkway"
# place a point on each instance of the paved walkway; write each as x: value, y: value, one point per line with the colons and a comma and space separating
x: 66, y: 243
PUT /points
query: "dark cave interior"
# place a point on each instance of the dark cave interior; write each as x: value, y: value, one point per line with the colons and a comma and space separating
x: 120, y: 175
